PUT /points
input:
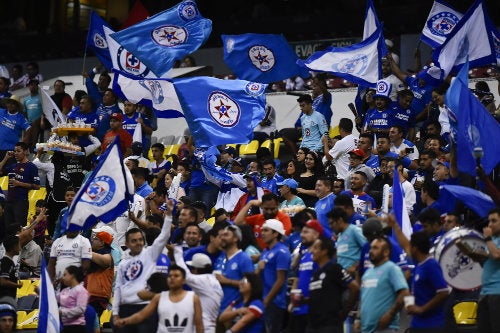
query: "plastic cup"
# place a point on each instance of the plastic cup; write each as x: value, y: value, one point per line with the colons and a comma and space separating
x: 409, y: 300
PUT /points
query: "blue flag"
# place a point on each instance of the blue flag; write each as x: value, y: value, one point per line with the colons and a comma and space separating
x: 96, y: 39
x: 472, y: 126
x: 166, y: 37
x: 359, y: 63
x: 48, y: 317
x: 106, y: 194
x: 220, y: 112
x: 208, y: 159
x: 261, y: 58
x: 441, y: 21
x: 479, y: 202
x: 399, y: 207
x: 371, y: 20
x: 158, y: 94
x: 471, y: 38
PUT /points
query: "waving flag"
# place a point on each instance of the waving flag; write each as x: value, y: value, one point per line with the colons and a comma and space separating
x: 221, y: 111
x: 106, y: 193
x: 96, y: 39
x: 371, y: 20
x: 261, y: 58
x: 48, y: 317
x: 50, y: 109
x: 479, y: 202
x: 399, y: 207
x: 159, y: 94
x: 441, y: 21
x: 472, y: 37
x: 359, y: 63
x: 472, y: 126
x: 166, y: 37
x: 208, y: 159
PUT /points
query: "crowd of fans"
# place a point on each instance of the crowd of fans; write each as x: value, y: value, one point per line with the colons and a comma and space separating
x: 301, y: 244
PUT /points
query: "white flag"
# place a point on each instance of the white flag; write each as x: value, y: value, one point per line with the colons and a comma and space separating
x: 137, y: 137
x: 371, y: 20
x: 441, y: 21
x: 48, y: 317
x: 50, y: 109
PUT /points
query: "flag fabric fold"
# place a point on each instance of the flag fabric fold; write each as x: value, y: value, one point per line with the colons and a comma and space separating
x: 105, y: 195
x: 48, y: 317
x: 399, y: 207
x: 471, y: 38
x: 441, y: 21
x: 221, y: 111
x: 359, y: 63
x: 371, y: 20
x: 159, y: 94
x: 166, y: 36
x: 50, y: 109
x: 261, y: 58
x: 472, y: 126
x: 208, y: 159
x: 479, y: 202
x: 96, y: 40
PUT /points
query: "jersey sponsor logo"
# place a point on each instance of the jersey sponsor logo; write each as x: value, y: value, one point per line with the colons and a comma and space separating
x: 261, y: 57
x: 355, y: 65
x: 223, y: 109
x: 133, y: 270
x: 100, y: 192
x: 187, y: 10
x: 442, y: 23
x: 169, y: 35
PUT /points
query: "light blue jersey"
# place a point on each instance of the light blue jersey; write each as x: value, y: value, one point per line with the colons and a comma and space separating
x: 491, y: 274
x: 313, y: 128
x: 349, y: 244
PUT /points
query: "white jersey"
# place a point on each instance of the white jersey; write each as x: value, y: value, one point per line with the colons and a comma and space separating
x: 123, y: 223
x: 176, y: 317
x: 340, y: 154
x: 70, y: 251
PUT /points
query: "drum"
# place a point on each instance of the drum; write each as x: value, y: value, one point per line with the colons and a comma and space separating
x: 459, y: 270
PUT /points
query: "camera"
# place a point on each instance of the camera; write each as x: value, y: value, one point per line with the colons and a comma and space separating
x: 410, y: 150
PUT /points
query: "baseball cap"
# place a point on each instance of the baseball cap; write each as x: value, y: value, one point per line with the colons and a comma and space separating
x: 200, y: 260
x: 383, y: 89
x: 251, y: 175
x: 358, y: 152
x: 237, y: 231
x: 239, y: 161
x: 290, y: 182
x: 229, y: 150
x: 7, y: 307
x: 274, y: 225
x: 432, y: 75
x: 117, y: 116
x: 104, y: 228
x: 314, y: 224
x: 446, y: 164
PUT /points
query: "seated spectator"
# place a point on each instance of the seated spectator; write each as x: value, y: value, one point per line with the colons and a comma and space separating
x: 288, y: 190
x: 356, y: 158
x: 307, y: 180
x: 8, y: 273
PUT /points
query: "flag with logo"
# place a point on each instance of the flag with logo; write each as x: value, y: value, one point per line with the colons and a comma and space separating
x: 479, y: 202
x: 371, y: 20
x: 399, y: 207
x: 51, y: 111
x: 96, y: 40
x: 441, y: 21
x: 158, y: 94
x: 48, y: 315
x: 106, y: 194
x: 261, y: 57
x: 471, y: 38
x: 166, y: 37
x: 359, y: 63
x: 220, y: 112
x: 472, y: 126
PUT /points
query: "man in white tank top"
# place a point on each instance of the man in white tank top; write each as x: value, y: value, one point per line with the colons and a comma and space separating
x: 178, y: 310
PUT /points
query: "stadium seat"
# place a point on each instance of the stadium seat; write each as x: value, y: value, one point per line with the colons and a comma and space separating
x: 105, y: 318
x: 27, y: 303
x: 30, y: 321
x: 333, y: 131
x: 150, y: 155
x: 465, y: 313
x: 277, y: 143
x: 24, y: 290
x: 249, y: 149
x: 33, y: 197
x: 211, y: 221
x: 4, y: 183
x: 21, y: 316
x: 171, y: 150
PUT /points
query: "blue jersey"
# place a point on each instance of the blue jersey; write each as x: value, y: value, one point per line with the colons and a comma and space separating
x: 427, y: 282
x: 322, y: 208
x: 188, y: 255
x: 379, y: 288
x: 313, y: 128
x: 397, y: 256
x: 349, y: 244
x: 304, y: 273
x: 421, y: 95
x: 144, y: 190
x: 378, y: 120
x: 374, y: 163
x: 233, y: 269
x: 277, y: 259
x: 33, y: 107
x: 323, y: 106
x: 11, y: 127
x: 402, y: 117
x: 357, y: 219
x: 491, y: 274
x: 360, y: 200
x: 103, y: 112
x: 257, y: 308
x: 25, y: 173
x: 270, y: 184
x: 163, y: 263
x: 88, y: 118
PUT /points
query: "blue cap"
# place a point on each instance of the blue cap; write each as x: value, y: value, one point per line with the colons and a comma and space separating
x: 446, y: 164
x: 290, y: 182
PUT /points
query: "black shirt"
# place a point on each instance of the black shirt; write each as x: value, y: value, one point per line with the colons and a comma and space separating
x: 8, y: 271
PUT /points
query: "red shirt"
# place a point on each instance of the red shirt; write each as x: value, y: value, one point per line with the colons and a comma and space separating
x: 256, y: 221
x: 125, y: 139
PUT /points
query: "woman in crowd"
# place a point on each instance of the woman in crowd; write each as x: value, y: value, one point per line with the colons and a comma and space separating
x: 293, y: 167
x: 73, y: 301
x: 173, y: 186
x: 307, y: 179
x: 184, y: 169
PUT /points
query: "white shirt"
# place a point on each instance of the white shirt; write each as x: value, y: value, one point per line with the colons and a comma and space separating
x: 340, y: 154
x: 406, y: 144
x: 397, y: 85
x: 122, y: 223
x: 70, y: 251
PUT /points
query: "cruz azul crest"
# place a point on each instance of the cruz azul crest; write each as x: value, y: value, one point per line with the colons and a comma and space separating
x: 355, y: 65
x: 100, y: 192
x: 187, y: 10
x: 261, y: 57
x: 223, y: 109
x: 100, y: 41
x: 169, y: 35
x: 129, y: 63
x: 442, y: 23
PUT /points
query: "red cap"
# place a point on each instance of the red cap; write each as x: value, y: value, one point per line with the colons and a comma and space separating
x: 117, y: 116
x: 358, y: 152
x: 314, y: 224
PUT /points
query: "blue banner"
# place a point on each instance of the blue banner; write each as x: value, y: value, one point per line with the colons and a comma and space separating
x: 96, y: 39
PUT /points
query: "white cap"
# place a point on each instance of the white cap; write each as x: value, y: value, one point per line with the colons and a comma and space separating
x: 200, y: 260
x: 274, y: 225
x: 104, y: 228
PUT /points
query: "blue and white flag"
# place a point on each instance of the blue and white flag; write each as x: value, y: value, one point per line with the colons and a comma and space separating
x: 96, y: 39
x: 399, y: 207
x: 471, y: 38
x: 441, y: 21
x: 208, y: 159
x: 220, y: 112
x: 166, y: 37
x: 50, y: 109
x: 159, y: 94
x: 496, y: 42
x: 472, y: 126
x: 261, y: 57
x: 48, y: 315
x: 106, y: 194
x: 359, y: 63
x: 479, y: 202
x: 371, y: 20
